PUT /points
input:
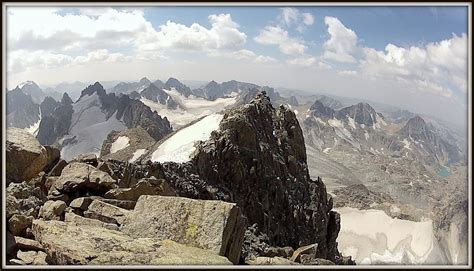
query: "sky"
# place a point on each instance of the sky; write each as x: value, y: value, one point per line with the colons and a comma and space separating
x: 411, y: 57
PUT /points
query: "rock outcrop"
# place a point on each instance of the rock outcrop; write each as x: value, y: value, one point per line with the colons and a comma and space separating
x: 25, y: 156
x: 47, y: 106
x: 138, y: 140
x: 57, y: 123
x: 258, y: 157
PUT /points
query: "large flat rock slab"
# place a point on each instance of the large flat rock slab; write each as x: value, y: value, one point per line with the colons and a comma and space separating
x: 209, y: 224
x: 67, y: 243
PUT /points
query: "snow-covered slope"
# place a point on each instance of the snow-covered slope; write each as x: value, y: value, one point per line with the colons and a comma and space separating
x: 180, y: 146
x: 373, y: 237
x: 89, y: 127
x: 121, y: 143
x: 190, y: 108
x: 33, y: 129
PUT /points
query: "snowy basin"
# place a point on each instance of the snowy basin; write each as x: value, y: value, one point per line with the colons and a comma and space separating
x: 180, y: 146
x: 373, y: 237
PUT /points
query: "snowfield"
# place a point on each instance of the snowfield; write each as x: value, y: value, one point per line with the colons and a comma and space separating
x: 180, y: 146
x: 89, y: 128
x: 33, y: 129
x: 191, y: 108
x: 121, y: 143
x: 137, y: 154
x: 373, y: 237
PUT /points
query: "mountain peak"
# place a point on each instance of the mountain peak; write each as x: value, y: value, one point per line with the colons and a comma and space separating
x: 320, y: 110
x: 66, y: 99
x: 415, y: 127
x: 364, y: 106
x: 330, y: 102
x: 173, y: 81
x: 144, y: 80
x: 27, y: 83
x: 416, y: 120
x: 95, y: 88
x: 212, y: 84
x: 180, y: 87
x: 362, y: 113
x: 262, y: 100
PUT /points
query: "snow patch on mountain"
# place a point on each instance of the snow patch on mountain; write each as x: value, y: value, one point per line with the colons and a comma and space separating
x: 373, y: 237
x: 26, y: 83
x: 121, y: 143
x: 406, y: 144
x: 137, y: 154
x: 89, y: 128
x: 320, y: 121
x: 90, y: 138
x: 33, y: 128
x: 180, y: 146
x: 342, y: 132
x: 351, y: 122
x: 366, y: 135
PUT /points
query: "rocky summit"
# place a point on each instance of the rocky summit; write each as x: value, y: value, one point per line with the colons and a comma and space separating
x: 244, y: 197
x: 258, y: 157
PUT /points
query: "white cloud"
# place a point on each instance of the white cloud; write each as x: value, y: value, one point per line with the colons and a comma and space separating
x: 292, y: 16
x: 102, y: 55
x: 21, y: 60
x: 437, y: 67
x: 347, y: 72
x: 265, y: 59
x: 305, y: 62
x: 244, y: 54
x: 85, y: 36
x: 223, y: 35
x: 275, y: 35
x: 289, y: 15
x: 342, y: 43
x: 308, y: 18
x: 433, y: 67
x: 48, y: 22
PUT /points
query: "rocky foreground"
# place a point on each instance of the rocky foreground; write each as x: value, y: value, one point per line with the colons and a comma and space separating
x: 245, y: 198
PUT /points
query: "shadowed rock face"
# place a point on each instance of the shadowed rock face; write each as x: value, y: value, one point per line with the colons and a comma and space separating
x: 57, y: 123
x: 180, y: 87
x: 362, y: 113
x: 258, y: 156
x: 22, y: 112
x: 157, y: 94
x: 318, y: 109
x: 47, y: 106
x: 437, y: 149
